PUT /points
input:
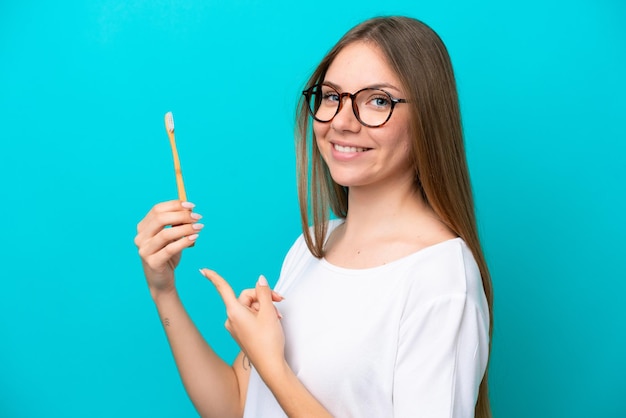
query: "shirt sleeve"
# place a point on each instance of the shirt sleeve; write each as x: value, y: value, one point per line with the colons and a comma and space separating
x: 442, y: 355
x: 296, y: 256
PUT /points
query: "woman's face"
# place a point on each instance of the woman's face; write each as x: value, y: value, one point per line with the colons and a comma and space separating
x: 357, y: 155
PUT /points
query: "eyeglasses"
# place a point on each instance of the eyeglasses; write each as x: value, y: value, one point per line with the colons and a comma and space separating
x: 372, y: 107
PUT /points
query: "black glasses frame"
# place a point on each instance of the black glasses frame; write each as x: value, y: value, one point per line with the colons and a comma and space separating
x: 308, y: 92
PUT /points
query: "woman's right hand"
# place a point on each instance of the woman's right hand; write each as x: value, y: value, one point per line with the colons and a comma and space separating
x: 162, y: 235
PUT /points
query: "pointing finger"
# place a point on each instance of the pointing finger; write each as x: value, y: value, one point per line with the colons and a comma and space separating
x: 222, y: 286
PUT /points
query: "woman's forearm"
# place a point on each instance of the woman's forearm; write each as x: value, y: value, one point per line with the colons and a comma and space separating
x: 293, y: 397
x: 211, y: 383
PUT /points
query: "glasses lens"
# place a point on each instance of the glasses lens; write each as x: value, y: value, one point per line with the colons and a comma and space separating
x: 374, y: 106
x: 323, y: 102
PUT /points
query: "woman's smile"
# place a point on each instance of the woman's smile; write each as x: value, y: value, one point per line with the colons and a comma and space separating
x: 348, y: 148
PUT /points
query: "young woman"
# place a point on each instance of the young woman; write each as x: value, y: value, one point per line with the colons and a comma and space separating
x: 387, y: 309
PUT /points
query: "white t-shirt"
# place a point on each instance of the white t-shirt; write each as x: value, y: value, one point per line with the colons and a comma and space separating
x: 406, y: 339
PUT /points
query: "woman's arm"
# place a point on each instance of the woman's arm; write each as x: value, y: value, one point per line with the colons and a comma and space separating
x: 295, y: 400
x: 259, y: 334
x: 215, y: 388
x: 441, y: 359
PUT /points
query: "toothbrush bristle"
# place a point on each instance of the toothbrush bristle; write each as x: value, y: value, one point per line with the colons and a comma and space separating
x: 169, y: 122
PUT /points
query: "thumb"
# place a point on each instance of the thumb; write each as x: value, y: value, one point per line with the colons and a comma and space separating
x: 267, y: 297
x: 264, y: 293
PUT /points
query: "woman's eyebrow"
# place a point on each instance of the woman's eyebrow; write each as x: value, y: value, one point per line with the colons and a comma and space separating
x: 371, y: 86
x: 333, y: 85
x: 384, y: 86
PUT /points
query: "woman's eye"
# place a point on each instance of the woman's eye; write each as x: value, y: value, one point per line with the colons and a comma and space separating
x: 380, y: 101
x: 330, y: 97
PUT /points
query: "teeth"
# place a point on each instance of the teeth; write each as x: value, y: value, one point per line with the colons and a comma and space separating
x: 348, y: 149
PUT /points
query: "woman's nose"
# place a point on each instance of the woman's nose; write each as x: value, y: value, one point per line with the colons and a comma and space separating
x: 345, y: 119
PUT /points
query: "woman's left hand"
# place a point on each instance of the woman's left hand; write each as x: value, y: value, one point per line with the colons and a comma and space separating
x: 253, y: 321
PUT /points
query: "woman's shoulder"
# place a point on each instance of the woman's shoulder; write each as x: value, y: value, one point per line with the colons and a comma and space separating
x: 299, y: 257
x: 300, y: 248
x: 445, y: 269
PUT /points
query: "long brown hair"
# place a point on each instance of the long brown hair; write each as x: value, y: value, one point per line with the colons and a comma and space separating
x: 421, y: 61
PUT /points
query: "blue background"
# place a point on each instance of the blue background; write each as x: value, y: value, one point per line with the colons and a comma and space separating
x: 83, y: 90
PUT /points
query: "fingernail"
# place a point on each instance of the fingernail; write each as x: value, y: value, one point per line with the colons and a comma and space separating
x: 197, y: 226
x: 188, y: 205
x: 262, y: 280
x: 280, y: 316
x: 201, y: 272
x: 192, y: 237
x: 195, y: 216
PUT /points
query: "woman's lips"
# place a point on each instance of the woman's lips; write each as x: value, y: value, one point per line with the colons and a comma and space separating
x: 348, y: 149
x: 348, y: 152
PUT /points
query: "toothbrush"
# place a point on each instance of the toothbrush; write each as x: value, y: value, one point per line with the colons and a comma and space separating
x: 169, y: 127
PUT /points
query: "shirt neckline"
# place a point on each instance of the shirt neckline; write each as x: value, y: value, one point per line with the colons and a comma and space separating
x: 392, y: 263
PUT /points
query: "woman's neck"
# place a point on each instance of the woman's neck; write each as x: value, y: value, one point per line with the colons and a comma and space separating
x: 384, y: 224
x: 374, y: 209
